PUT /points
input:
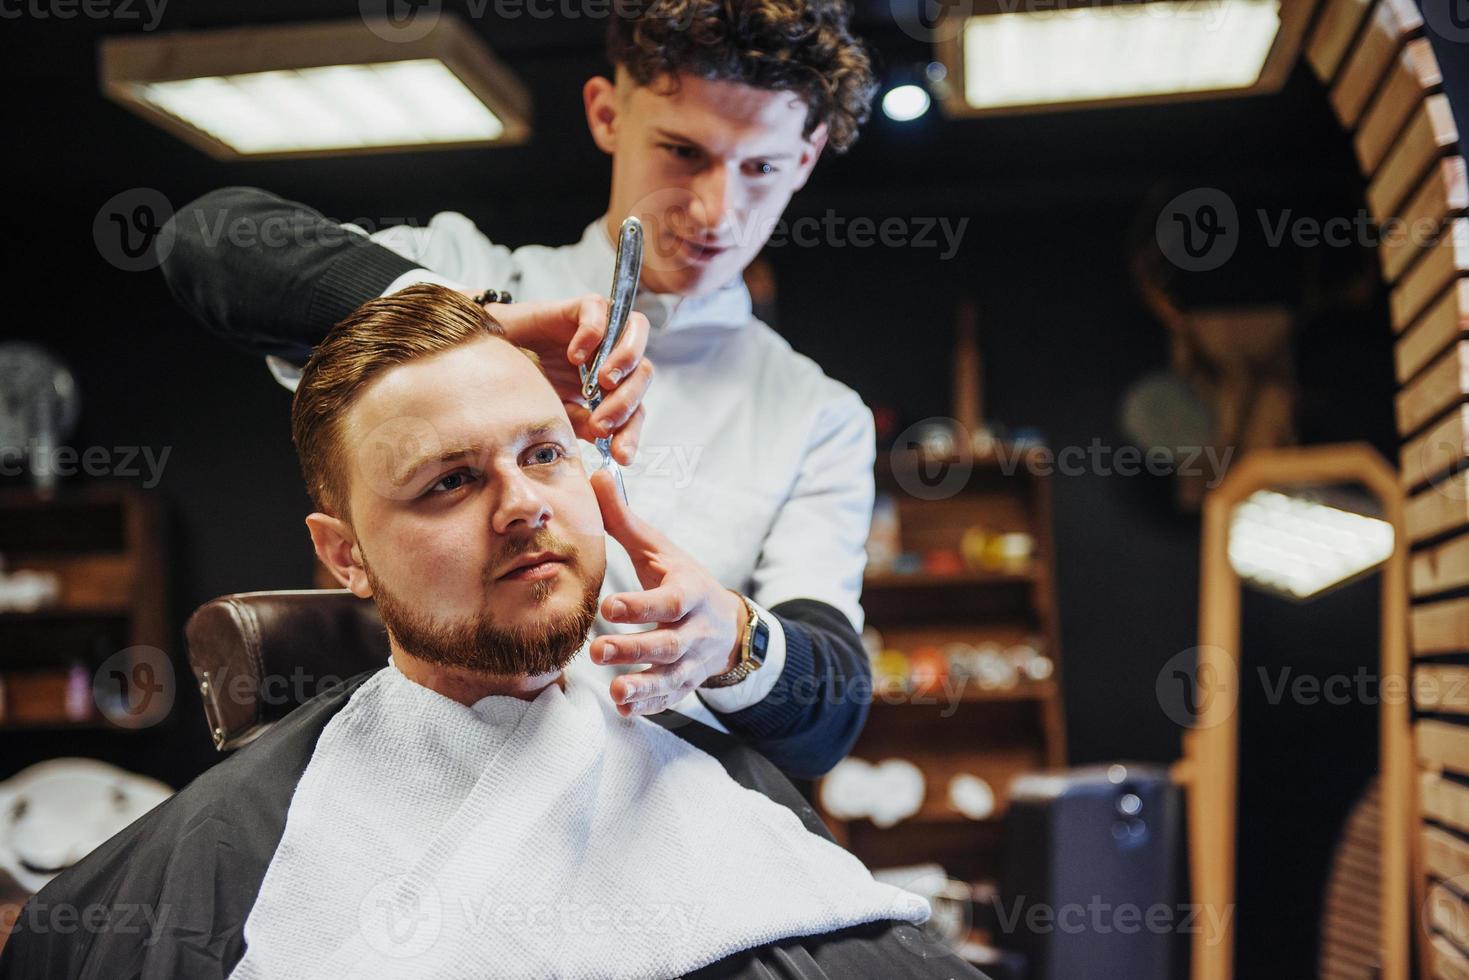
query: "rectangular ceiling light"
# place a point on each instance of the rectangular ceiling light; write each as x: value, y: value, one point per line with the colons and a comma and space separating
x: 1099, y: 52
x: 319, y: 89
x: 1300, y: 547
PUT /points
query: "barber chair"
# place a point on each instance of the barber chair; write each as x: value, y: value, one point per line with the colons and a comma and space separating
x: 258, y: 655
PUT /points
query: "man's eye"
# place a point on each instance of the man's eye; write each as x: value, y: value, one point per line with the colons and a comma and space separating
x: 681, y: 151
x: 452, y: 481
x: 548, y: 453
x: 762, y: 168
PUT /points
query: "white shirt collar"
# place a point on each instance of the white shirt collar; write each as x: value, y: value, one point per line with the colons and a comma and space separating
x: 593, y: 258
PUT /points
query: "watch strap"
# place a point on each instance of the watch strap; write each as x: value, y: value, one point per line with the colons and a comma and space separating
x: 754, y: 639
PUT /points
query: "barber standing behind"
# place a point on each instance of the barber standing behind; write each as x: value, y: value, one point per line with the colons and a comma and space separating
x: 752, y: 460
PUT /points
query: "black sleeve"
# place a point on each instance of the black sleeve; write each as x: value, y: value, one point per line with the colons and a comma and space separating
x: 814, y: 713
x: 269, y: 275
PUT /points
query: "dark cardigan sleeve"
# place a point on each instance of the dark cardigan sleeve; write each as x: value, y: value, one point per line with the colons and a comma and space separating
x: 814, y: 713
x: 269, y: 275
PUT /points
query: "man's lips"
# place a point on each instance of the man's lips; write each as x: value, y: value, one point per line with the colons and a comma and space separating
x: 533, y: 566
x: 701, y: 252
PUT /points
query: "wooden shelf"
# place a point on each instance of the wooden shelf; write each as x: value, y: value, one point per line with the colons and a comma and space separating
x: 930, y: 813
x: 64, y: 614
x: 972, y: 694
x: 954, y: 580
x: 1006, y: 462
x: 995, y: 734
x: 103, y: 542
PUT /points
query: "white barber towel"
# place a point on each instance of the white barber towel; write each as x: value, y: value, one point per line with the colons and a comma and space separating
x: 549, y: 838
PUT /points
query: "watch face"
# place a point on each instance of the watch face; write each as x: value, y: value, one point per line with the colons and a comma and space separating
x: 760, y: 642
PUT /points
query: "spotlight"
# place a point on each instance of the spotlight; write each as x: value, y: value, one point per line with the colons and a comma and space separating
x: 905, y: 102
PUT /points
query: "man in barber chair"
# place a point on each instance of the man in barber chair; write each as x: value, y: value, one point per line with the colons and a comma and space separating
x: 714, y: 113
x: 470, y: 809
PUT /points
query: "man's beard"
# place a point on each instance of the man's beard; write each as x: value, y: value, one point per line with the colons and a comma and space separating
x: 543, y: 646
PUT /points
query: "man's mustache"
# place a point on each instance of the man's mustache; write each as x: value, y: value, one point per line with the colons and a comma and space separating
x: 540, y: 541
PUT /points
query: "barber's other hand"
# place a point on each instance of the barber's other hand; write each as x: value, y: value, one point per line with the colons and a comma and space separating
x: 565, y: 334
x: 698, y: 621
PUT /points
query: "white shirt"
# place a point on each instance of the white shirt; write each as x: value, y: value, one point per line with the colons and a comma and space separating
x: 751, y: 458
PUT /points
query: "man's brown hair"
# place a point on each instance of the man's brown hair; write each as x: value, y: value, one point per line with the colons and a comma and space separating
x: 417, y: 322
x: 800, y: 46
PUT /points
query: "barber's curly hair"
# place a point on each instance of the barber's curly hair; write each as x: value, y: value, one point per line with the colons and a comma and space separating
x: 801, y: 46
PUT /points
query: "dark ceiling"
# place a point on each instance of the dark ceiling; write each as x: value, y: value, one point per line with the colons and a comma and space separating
x: 66, y: 140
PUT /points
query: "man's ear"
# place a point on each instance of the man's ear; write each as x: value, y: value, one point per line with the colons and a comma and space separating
x: 810, y: 154
x: 599, y: 97
x: 337, y: 549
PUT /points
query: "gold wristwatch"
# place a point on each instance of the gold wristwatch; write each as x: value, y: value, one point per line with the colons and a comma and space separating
x: 754, y: 643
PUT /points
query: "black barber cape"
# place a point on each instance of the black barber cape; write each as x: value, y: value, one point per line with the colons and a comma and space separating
x: 167, y: 897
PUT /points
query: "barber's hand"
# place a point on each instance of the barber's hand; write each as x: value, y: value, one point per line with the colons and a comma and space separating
x: 698, y: 620
x: 565, y: 334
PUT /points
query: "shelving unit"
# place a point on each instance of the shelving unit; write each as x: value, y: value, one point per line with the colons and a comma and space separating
x: 995, y: 734
x: 103, y: 543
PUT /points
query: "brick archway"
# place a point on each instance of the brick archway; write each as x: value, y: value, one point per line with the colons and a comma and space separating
x: 1383, y: 69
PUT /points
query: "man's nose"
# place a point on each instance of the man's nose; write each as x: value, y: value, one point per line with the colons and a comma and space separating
x: 521, y: 505
x: 711, y: 204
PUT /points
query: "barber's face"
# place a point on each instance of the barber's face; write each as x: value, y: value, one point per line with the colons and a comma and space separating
x: 708, y: 169
x: 479, y: 533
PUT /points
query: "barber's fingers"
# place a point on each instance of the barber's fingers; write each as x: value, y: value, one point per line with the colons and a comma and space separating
x: 541, y: 324
x: 626, y: 357
x: 643, y: 543
x: 668, y: 602
x: 619, y: 404
x: 647, y: 706
x: 624, y: 439
x: 625, y: 442
x: 654, y: 689
x: 659, y: 646
x: 591, y: 327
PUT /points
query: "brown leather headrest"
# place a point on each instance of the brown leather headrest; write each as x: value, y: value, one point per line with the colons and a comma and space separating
x: 258, y: 655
